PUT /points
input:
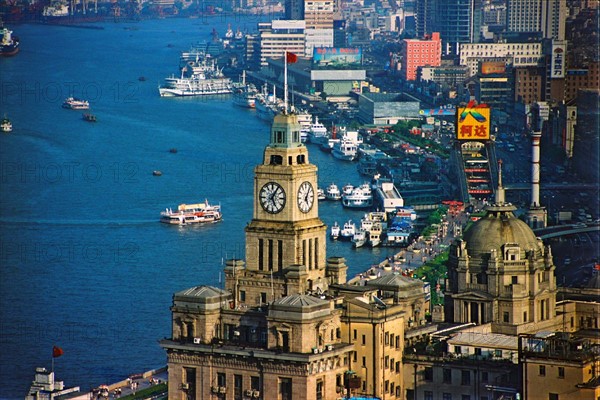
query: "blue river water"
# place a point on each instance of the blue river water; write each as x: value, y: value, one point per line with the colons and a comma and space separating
x: 85, y: 264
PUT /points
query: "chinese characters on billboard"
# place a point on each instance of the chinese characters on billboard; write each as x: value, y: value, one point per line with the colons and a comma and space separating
x: 473, y: 123
x: 337, y: 55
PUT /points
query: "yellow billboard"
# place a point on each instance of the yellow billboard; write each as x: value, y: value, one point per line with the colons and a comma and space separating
x: 473, y: 122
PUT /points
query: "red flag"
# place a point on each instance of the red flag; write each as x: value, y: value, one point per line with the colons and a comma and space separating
x: 57, y: 352
x: 291, y: 57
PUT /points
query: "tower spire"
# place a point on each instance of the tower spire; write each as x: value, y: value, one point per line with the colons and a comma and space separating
x: 500, y: 190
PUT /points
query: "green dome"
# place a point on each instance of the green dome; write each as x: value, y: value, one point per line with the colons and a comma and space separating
x: 498, y: 227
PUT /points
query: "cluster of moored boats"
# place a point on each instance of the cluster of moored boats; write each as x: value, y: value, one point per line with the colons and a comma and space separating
x: 377, y: 228
x: 351, y: 197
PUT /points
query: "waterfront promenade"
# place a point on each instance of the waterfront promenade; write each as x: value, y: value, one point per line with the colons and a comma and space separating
x: 133, y: 384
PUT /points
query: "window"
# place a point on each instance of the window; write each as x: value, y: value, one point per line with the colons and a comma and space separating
x: 542, y: 369
x: 465, y: 377
x: 237, y: 387
x: 242, y: 296
x: 477, y: 351
x: 465, y: 397
x: 428, y: 374
x: 285, y: 388
x: 398, y: 363
x: 457, y: 349
x: 561, y: 372
x: 387, y: 361
x: 505, y: 316
x: 355, y: 334
x: 319, y: 389
x: 263, y: 298
x: 364, y: 339
x: 484, y: 377
x: 428, y: 395
x: 254, y: 383
x: 221, y: 380
x: 552, y: 396
x: 387, y: 338
x: 364, y: 361
x: 387, y: 386
x: 514, y: 280
x: 447, y: 375
x: 446, y: 396
x: 498, y: 353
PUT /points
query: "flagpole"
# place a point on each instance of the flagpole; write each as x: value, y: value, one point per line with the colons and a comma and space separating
x: 285, y: 84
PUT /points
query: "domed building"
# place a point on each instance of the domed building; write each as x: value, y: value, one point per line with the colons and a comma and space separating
x: 501, y: 273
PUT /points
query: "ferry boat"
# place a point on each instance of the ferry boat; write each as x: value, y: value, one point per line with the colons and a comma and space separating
x: 335, y: 231
x: 344, y: 149
x: 73, y: 103
x: 9, y: 46
x: 348, y: 231
x: 316, y: 132
x: 206, y: 79
x: 6, y: 125
x: 200, y: 213
x: 333, y: 192
x: 360, y: 197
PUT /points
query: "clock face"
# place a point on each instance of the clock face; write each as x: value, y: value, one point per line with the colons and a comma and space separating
x: 306, y: 197
x: 272, y: 197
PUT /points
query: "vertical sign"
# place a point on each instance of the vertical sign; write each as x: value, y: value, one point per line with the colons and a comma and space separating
x: 558, y: 61
x: 473, y: 123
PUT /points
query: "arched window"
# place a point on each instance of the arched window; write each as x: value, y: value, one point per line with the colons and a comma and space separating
x: 276, y: 159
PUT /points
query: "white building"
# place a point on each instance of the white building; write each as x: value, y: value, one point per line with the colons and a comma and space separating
x: 522, y: 54
x: 280, y: 35
x: 317, y: 38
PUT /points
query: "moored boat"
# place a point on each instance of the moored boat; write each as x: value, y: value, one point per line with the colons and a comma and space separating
x: 333, y: 192
x: 206, y: 79
x: 360, y: 197
x: 359, y: 238
x: 244, y: 95
x: 200, y: 213
x: 321, y: 194
x: 316, y: 132
x: 335, y: 231
x: 344, y: 149
x: 73, y: 103
x: 348, y: 231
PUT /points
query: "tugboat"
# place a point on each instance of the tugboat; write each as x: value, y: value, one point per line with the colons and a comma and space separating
x: 9, y: 46
x: 335, y: 231
x: 89, y: 117
x: 5, y: 125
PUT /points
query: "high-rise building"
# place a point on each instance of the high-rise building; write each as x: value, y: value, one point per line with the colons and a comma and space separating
x: 546, y: 16
x: 318, y: 14
x: 294, y: 9
x: 420, y: 52
x: 457, y: 21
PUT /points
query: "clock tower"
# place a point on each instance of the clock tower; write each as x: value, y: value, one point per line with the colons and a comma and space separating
x: 285, y: 241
